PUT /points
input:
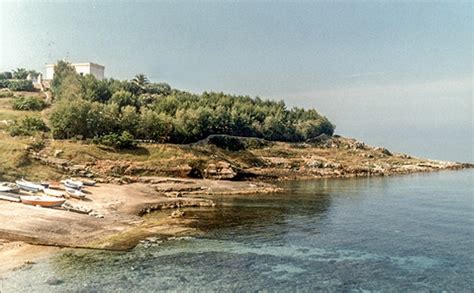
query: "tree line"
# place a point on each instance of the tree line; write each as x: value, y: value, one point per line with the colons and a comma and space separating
x: 87, y: 108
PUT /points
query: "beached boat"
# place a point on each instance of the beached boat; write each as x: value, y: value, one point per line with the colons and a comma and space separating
x: 29, y: 186
x: 75, y: 184
x: 89, y: 182
x: 52, y: 192
x: 44, y: 201
x: 74, y: 193
x: 10, y: 196
x: 9, y: 187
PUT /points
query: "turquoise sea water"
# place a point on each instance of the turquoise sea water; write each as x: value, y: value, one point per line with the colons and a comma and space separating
x: 406, y: 233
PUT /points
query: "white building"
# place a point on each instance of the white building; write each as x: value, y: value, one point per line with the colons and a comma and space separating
x: 81, y: 68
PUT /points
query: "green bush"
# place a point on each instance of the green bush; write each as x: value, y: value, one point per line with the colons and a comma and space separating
x: 6, y: 95
x: 123, y: 141
x: 19, y: 85
x: 4, y: 83
x: 230, y: 143
x: 29, y: 103
x: 27, y: 126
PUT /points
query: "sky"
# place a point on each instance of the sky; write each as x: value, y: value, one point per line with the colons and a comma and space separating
x: 396, y: 74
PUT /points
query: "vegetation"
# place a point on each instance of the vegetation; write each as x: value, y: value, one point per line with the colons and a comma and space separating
x: 17, y: 85
x: 29, y: 103
x: 123, y: 141
x: 27, y: 126
x: 90, y: 108
x: 6, y: 94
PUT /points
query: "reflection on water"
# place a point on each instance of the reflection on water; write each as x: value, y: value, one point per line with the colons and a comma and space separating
x: 400, y: 233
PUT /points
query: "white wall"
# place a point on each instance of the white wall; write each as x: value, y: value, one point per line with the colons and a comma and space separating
x: 97, y: 71
x: 81, y: 68
x: 49, y: 72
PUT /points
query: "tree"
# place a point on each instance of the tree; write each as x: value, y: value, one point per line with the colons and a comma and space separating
x: 123, y: 98
x: 140, y: 80
x: 33, y: 73
x: 20, y: 73
x: 138, y: 84
x: 154, y: 126
x: 6, y: 75
x: 158, y: 89
x: 63, y: 70
x: 129, y: 119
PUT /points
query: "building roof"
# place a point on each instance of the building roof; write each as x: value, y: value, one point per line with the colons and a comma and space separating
x: 78, y: 64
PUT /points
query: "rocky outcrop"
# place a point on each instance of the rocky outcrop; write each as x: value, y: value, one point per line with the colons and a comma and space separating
x: 177, y: 203
x: 220, y: 171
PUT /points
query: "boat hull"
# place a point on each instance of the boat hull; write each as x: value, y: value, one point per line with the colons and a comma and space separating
x: 74, y: 193
x: 28, y: 186
x: 48, y: 202
x: 52, y: 192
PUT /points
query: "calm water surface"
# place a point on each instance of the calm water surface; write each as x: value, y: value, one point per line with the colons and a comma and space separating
x: 412, y: 233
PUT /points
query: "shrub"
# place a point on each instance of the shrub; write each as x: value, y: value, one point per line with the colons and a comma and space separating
x: 27, y: 126
x: 4, y: 83
x: 29, y: 103
x: 123, y: 141
x: 20, y: 85
x: 6, y: 94
x: 227, y: 142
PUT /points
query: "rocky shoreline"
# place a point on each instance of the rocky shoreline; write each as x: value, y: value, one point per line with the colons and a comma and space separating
x: 129, y: 189
x: 260, y: 160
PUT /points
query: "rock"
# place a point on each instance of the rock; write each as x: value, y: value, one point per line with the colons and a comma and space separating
x: 177, y: 214
x: 53, y: 281
x: 314, y: 164
x: 383, y: 151
x: 173, y: 194
x: 219, y: 171
x: 57, y: 153
x: 319, y: 138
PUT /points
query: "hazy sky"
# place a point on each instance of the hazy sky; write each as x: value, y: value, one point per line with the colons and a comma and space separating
x: 393, y: 74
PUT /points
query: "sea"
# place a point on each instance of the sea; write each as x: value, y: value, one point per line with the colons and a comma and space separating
x: 411, y: 233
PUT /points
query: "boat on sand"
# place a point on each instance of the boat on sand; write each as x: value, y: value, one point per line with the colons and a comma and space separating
x: 74, y: 193
x: 9, y: 187
x: 9, y: 196
x: 44, y: 201
x: 75, y: 184
x: 29, y: 186
x: 53, y: 192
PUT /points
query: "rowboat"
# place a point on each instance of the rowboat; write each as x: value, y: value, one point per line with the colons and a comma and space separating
x: 75, y: 184
x: 44, y: 201
x: 52, y: 192
x: 10, y: 196
x: 75, y: 193
x: 29, y: 186
x: 8, y: 187
x: 89, y: 182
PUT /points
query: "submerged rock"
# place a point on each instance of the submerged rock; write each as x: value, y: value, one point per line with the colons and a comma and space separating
x: 53, y: 281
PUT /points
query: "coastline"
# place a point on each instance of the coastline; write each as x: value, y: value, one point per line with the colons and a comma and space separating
x: 125, y: 192
x: 122, y: 223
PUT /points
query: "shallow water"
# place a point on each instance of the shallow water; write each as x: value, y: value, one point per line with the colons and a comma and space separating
x: 402, y: 233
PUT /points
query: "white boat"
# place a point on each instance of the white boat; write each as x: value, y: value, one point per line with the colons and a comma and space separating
x: 75, y: 184
x: 29, y: 186
x: 44, y: 201
x: 75, y: 193
x: 10, y: 196
x: 89, y: 182
x: 8, y: 187
x: 52, y: 192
